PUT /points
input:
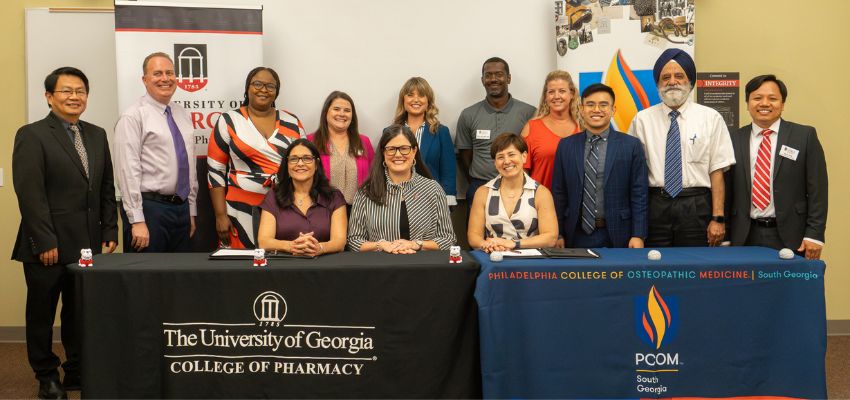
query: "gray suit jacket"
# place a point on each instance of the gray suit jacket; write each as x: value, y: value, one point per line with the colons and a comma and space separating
x: 799, y: 186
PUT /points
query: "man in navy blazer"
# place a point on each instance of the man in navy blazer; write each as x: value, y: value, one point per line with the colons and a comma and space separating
x: 600, y: 181
x: 779, y: 186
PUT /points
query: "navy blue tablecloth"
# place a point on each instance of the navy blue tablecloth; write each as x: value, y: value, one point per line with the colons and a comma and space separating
x: 702, y: 322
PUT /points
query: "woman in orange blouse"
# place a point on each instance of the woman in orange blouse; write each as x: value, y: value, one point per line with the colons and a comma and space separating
x: 557, y: 117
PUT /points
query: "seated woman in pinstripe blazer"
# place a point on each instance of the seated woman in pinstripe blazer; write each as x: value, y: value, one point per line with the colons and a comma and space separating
x: 399, y: 209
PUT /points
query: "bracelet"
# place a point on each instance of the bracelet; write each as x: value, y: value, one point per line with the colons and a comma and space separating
x: 321, y: 249
x: 378, y: 245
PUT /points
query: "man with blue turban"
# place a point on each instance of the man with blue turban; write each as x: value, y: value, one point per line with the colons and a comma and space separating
x: 688, y: 148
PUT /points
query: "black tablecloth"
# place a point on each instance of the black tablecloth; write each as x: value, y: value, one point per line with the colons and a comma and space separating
x: 344, y: 325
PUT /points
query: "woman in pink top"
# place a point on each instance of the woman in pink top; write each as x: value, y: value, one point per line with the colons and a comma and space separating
x: 345, y: 153
x: 557, y: 117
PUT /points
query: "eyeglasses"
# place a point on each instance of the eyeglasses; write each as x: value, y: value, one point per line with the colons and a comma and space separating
x: 257, y: 85
x: 69, y: 92
x: 600, y: 106
x: 306, y: 159
x: 392, y: 150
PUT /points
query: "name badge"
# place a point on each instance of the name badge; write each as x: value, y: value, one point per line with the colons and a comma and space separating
x: 483, y: 134
x: 789, y: 153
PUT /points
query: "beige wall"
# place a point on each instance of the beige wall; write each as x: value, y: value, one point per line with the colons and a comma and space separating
x: 805, y: 46
x: 13, y: 103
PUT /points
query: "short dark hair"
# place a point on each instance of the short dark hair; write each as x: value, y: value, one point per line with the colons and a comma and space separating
x: 53, y: 77
x: 755, y: 83
x: 596, y: 88
x: 496, y: 60
x: 506, y: 140
x: 250, y: 77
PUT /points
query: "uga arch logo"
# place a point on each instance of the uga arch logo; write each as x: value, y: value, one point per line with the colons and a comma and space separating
x: 656, y: 318
x: 190, y: 64
x: 270, y: 308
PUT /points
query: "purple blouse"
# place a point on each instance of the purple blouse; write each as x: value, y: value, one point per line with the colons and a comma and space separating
x: 289, y: 221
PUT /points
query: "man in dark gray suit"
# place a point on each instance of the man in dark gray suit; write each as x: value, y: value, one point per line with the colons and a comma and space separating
x: 779, y: 186
x: 62, y: 172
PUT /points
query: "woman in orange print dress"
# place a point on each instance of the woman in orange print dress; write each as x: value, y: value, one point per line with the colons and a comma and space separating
x: 557, y: 118
x: 245, y: 151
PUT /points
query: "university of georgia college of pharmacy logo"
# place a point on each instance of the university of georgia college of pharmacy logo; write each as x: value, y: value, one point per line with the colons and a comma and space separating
x: 270, y: 308
x: 190, y: 65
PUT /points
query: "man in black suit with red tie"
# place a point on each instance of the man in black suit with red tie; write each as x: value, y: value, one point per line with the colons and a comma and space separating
x: 779, y: 185
x: 62, y: 172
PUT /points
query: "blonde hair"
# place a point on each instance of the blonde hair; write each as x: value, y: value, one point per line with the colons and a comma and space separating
x: 543, y: 109
x: 420, y: 85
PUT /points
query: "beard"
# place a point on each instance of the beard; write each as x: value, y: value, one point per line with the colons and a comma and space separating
x: 676, y: 95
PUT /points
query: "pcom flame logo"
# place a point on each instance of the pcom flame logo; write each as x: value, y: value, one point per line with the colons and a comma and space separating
x: 656, y: 318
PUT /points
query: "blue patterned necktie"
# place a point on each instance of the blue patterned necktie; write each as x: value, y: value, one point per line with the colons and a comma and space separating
x: 182, y: 189
x: 673, y: 158
x: 588, y: 202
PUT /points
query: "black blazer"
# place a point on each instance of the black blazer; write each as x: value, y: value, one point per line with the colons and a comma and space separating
x: 59, y: 206
x: 799, y: 186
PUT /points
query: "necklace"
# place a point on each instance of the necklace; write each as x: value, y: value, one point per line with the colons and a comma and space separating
x: 510, y: 195
x: 300, y: 202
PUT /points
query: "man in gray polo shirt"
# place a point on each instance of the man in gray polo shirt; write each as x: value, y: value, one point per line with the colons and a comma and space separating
x: 484, y: 121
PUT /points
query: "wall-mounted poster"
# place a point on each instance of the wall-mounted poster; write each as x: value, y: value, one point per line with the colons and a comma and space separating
x: 720, y: 91
x: 616, y: 42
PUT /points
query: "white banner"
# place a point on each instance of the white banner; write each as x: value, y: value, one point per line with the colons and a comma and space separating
x: 213, y: 49
x: 616, y: 42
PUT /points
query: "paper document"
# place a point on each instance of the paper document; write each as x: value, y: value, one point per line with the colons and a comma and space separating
x: 522, y: 253
x: 247, y: 253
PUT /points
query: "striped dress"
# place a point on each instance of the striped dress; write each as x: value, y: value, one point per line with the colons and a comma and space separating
x: 427, y: 212
x: 242, y: 160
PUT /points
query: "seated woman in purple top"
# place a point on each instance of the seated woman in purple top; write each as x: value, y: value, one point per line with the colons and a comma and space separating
x: 303, y: 214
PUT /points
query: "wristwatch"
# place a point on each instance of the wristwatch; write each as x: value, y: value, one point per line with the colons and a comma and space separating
x: 418, y: 244
x: 516, y: 244
x: 719, y: 219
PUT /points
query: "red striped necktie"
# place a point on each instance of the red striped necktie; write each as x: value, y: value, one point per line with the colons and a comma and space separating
x: 761, y: 179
